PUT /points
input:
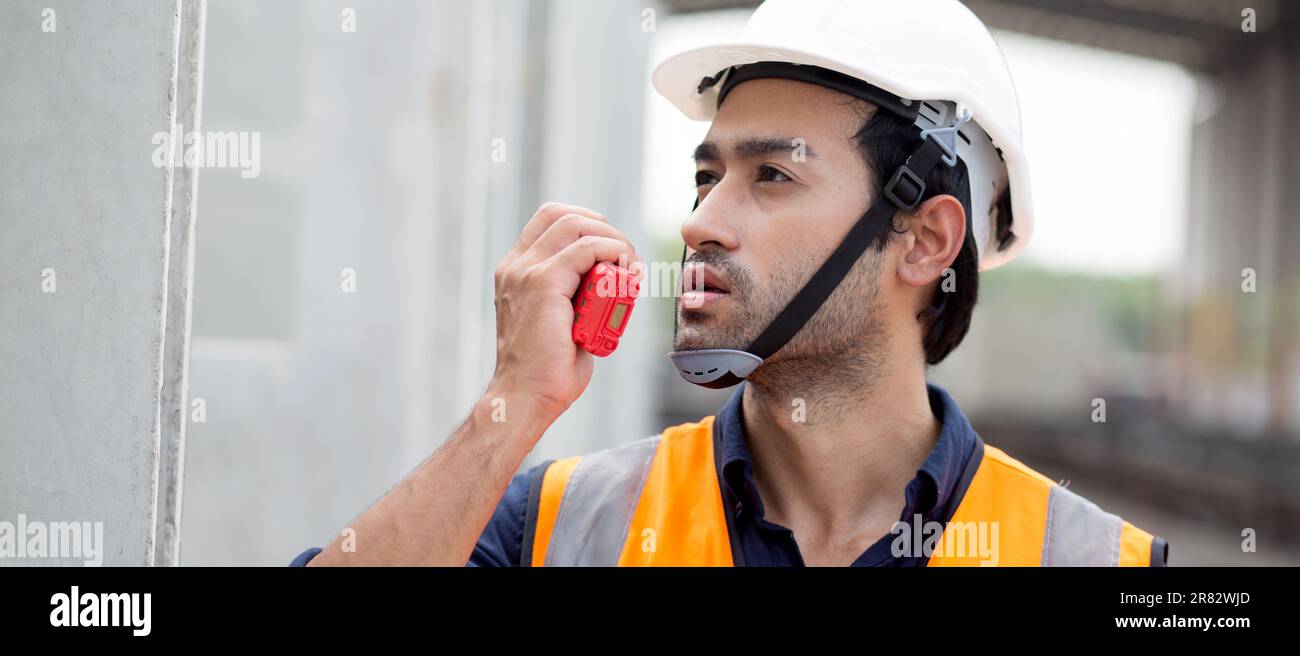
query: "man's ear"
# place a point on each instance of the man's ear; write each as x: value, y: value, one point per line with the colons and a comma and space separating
x: 935, y: 236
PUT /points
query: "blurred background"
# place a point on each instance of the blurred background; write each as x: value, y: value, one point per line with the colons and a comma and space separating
x: 1164, y: 277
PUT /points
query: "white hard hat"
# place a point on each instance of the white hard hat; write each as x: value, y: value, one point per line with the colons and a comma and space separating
x: 932, y: 52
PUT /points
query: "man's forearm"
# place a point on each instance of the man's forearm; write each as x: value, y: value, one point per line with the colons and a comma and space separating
x: 436, y: 514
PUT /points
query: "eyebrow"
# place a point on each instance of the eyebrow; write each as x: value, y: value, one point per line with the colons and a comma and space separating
x: 751, y: 147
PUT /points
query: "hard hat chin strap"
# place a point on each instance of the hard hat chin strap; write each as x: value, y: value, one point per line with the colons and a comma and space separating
x: 719, y: 368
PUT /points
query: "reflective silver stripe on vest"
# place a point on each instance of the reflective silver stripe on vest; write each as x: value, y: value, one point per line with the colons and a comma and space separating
x: 596, y: 509
x: 1079, y: 533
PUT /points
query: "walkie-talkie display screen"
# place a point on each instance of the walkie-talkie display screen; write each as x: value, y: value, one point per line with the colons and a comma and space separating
x: 616, y: 317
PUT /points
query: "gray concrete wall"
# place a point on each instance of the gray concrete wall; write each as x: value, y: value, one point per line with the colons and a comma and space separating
x: 87, y: 255
x: 377, y: 156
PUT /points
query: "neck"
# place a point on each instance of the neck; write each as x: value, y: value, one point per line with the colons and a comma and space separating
x: 836, y: 451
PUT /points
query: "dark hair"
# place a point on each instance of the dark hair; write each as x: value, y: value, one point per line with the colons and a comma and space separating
x: 886, y: 141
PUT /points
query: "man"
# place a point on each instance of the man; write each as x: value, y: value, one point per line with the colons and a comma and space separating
x: 862, y: 165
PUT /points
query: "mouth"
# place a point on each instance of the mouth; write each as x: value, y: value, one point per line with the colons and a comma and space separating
x: 702, y: 285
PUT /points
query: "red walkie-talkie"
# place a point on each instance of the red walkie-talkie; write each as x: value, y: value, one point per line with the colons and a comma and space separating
x: 602, y: 306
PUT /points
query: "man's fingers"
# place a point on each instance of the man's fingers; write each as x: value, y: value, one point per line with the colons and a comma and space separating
x: 570, y: 228
x: 546, y: 215
x: 581, y: 255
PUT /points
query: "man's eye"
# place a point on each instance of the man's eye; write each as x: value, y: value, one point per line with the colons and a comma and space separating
x: 704, y: 178
x: 771, y: 174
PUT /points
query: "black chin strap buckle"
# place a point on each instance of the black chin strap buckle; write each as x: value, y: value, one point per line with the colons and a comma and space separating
x: 913, y: 185
x: 915, y: 191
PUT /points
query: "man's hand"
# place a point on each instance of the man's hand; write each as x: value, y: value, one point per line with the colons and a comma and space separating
x: 435, y: 515
x: 535, y: 285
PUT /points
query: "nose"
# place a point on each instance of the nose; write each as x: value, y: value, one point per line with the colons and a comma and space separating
x: 712, y: 223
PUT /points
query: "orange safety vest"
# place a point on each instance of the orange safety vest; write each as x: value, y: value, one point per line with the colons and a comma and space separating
x: 657, y: 502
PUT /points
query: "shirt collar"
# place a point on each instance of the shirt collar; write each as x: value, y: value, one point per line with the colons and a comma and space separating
x: 939, y: 475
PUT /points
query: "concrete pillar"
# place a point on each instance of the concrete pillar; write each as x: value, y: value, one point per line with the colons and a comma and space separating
x: 1240, y: 348
x: 94, y: 268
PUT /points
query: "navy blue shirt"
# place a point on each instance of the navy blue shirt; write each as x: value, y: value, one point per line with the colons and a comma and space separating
x: 933, y: 493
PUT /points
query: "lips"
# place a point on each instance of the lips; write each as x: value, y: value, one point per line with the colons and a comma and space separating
x: 704, y: 278
x: 703, y: 286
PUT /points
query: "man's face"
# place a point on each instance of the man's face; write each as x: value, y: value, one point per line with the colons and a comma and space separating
x: 771, y: 213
